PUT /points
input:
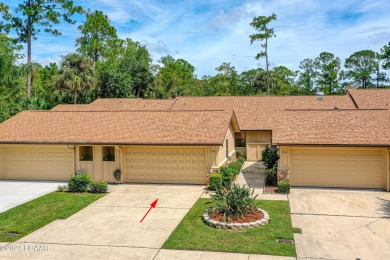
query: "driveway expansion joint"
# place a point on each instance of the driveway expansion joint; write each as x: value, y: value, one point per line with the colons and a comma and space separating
x: 74, y: 244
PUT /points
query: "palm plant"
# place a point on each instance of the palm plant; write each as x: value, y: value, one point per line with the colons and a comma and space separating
x: 77, y: 73
x: 233, y: 203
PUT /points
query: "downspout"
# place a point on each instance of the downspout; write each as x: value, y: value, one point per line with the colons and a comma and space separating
x: 388, y: 170
x: 121, y: 161
x: 74, y: 157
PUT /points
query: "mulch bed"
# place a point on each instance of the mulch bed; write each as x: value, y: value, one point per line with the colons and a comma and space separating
x: 249, y: 217
x: 269, y: 189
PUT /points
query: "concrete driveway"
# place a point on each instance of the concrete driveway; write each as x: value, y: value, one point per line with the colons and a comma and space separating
x: 110, y: 228
x: 341, y: 224
x: 14, y: 193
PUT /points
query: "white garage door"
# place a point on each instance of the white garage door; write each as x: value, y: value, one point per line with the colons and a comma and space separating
x: 338, y: 167
x: 35, y: 162
x: 166, y: 165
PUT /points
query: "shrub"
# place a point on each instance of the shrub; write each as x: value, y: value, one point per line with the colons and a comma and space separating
x: 270, y: 156
x: 79, y: 183
x: 215, y: 181
x: 233, y: 203
x: 227, y: 176
x: 117, y: 174
x: 98, y: 187
x: 271, y: 175
x: 239, y: 153
x: 284, y: 187
x: 62, y: 188
x: 241, y: 160
x: 236, y: 167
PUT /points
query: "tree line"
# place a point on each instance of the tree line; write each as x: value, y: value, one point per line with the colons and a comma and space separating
x: 106, y: 66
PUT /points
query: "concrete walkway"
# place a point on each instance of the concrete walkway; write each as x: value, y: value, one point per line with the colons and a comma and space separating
x: 14, y: 193
x: 110, y: 228
x: 253, y: 175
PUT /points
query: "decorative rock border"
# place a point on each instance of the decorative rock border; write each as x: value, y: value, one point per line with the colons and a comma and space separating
x: 236, y: 226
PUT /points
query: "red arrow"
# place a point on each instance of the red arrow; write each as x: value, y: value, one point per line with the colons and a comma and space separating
x: 153, y: 205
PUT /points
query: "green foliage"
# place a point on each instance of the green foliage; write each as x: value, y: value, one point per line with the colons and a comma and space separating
x: 241, y: 160
x: 30, y: 216
x: 215, y: 181
x: 230, y: 172
x: 34, y: 15
x: 239, y: 153
x: 173, y: 76
x: 193, y: 234
x: 385, y: 56
x: 98, y: 39
x: 361, y: 65
x: 260, y: 24
x: 270, y: 156
x: 98, y: 187
x: 77, y: 73
x: 234, y: 202
x: 79, y: 183
x: 228, y: 176
x: 297, y: 230
x: 62, y: 188
x: 307, y: 77
x: 271, y: 175
x: 327, y: 68
x: 284, y: 187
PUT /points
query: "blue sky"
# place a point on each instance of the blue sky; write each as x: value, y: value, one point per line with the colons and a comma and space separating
x: 207, y: 34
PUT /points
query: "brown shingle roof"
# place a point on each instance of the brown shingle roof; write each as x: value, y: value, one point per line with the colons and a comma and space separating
x: 119, y: 104
x: 333, y: 127
x: 257, y: 103
x: 371, y: 98
x: 135, y: 127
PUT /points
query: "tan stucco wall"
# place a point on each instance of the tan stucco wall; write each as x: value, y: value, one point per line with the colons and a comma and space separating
x: 258, y: 137
x: 36, y: 162
x: 221, y: 156
x: 356, y: 167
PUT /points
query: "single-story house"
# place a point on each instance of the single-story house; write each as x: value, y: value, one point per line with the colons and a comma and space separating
x: 325, y: 141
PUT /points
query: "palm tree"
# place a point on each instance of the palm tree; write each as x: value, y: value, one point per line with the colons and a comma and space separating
x: 76, y: 73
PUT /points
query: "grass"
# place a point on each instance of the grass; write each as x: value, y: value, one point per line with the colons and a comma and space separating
x: 39, y: 212
x: 193, y: 234
x: 297, y: 230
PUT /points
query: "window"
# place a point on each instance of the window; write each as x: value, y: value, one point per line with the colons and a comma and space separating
x: 86, y: 153
x: 108, y: 153
x: 227, y: 148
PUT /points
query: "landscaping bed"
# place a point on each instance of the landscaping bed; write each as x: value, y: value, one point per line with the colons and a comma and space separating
x: 193, y: 234
x: 28, y: 217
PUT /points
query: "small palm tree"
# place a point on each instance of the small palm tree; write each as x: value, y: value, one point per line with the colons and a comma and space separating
x: 76, y: 73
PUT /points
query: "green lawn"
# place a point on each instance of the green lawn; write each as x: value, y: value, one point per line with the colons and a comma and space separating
x: 193, y: 234
x: 37, y: 213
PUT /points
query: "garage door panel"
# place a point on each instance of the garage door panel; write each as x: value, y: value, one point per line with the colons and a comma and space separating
x: 332, y: 167
x: 166, y: 165
x: 36, y: 162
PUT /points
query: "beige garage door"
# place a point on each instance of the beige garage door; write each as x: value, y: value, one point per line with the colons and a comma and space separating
x: 338, y: 167
x: 36, y: 162
x: 166, y: 165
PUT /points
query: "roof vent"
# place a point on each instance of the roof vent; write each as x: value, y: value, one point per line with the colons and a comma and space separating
x: 320, y: 98
x: 336, y: 108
